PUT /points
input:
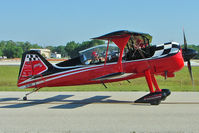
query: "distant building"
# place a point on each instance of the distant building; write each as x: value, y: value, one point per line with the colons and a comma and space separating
x: 55, y: 55
x: 44, y: 52
x: 3, y: 57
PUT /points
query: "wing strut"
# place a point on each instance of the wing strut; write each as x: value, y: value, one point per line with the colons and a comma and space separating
x: 106, y: 52
x: 121, y: 43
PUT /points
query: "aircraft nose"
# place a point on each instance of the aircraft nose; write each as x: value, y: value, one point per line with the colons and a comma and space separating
x: 189, y: 54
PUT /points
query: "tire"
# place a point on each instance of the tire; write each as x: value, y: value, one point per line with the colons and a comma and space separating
x: 157, y: 102
x: 24, y: 98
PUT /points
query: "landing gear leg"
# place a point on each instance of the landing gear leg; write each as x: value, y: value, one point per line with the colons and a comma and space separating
x: 154, y: 97
x: 165, y: 92
x: 34, y: 90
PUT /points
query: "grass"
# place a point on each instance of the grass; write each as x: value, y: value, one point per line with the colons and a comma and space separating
x: 182, y: 82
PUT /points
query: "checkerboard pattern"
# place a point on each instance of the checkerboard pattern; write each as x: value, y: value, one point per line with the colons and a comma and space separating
x: 31, y: 57
x: 166, y: 49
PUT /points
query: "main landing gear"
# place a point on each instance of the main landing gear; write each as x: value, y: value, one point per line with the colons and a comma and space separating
x: 154, y: 97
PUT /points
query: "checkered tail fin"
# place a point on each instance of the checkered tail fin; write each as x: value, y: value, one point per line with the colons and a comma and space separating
x: 32, y: 65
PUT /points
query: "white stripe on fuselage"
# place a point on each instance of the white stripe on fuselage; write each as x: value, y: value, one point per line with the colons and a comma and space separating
x: 42, y: 81
x: 67, y: 71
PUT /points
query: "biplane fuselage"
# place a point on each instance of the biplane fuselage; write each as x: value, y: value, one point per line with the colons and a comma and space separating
x: 134, y: 69
x: 98, y: 73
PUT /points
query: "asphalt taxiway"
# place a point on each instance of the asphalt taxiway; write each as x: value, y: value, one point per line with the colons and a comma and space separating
x: 97, y: 112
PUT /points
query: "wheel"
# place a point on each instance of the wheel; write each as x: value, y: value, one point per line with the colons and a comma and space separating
x: 24, y: 98
x: 164, y: 96
x: 164, y: 99
x: 156, y: 102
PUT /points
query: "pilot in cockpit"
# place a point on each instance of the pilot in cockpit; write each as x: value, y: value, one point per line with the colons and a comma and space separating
x: 138, y: 42
x: 135, y: 47
x: 94, y: 57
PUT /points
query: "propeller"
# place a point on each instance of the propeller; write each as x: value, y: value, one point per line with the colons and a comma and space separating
x: 188, y: 54
x: 190, y: 71
x: 185, y: 41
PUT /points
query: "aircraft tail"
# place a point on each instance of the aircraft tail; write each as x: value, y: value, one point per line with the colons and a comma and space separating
x: 32, y: 65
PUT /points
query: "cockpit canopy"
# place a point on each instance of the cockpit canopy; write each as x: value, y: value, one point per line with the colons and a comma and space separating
x: 97, y: 54
x: 127, y: 45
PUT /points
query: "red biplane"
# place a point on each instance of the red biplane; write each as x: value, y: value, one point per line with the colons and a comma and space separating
x: 131, y: 56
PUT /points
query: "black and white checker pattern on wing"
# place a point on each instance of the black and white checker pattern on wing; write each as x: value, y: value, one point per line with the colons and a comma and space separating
x: 31, y: 57
x: 166, y: 49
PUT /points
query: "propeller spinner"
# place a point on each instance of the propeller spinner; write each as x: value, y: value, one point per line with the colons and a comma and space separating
x: 188, y: 54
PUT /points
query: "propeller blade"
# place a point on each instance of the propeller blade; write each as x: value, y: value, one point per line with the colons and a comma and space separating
x: 165, y: 75
x: 188, y: 54
x: 185, y: 41
x: 190, y: 71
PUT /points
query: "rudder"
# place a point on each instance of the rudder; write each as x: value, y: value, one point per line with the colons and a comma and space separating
x: 32, y: 64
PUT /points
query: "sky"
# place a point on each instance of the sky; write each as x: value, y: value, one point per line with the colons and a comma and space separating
x: 56, y: 22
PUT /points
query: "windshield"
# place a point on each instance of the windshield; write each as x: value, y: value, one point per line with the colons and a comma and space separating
x: 97, y: 54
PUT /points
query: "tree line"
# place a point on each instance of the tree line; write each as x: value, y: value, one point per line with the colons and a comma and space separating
x: 71, y: 49
x: 12, y: 49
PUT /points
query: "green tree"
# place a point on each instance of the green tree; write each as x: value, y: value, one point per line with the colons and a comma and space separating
x: 25, y: 46
x: 1, y: 53
x: 71, y: 49
x: 88, y: 44
x: 18, y: 52
x: 61, y: 50
x: 51, y: 48
x: 2, y: 46
x: 35, y: 46
x: 11, y: 50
